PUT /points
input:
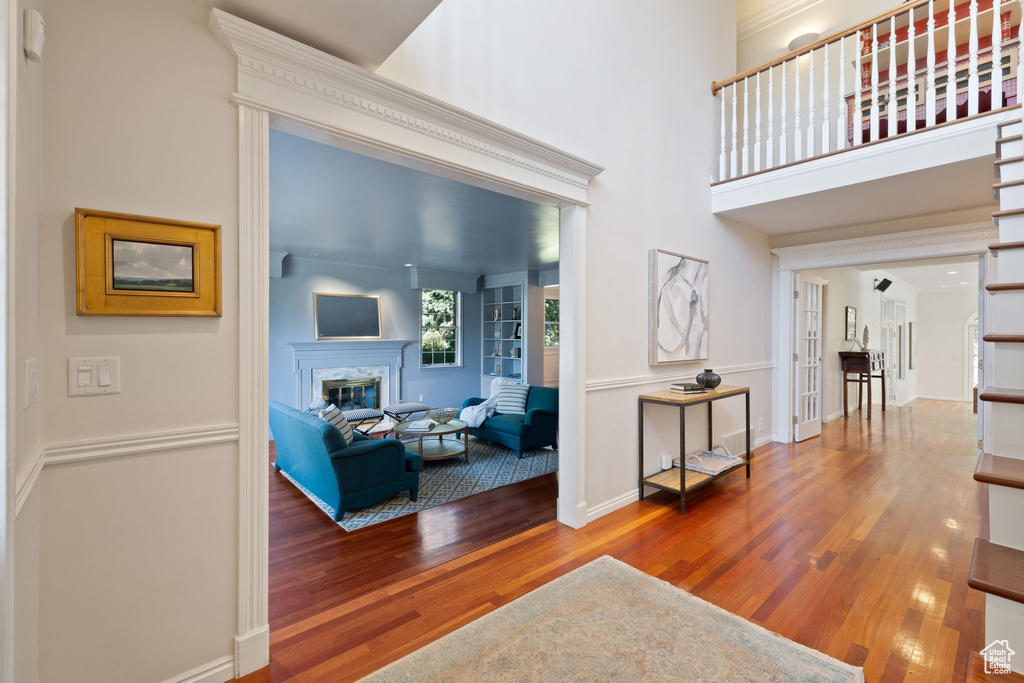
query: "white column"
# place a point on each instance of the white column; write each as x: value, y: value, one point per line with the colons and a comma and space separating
x: 929, y: 93
x: 951, y: 64
x: 972, y: 68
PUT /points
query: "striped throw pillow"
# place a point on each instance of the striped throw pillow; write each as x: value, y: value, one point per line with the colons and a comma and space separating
x: 512, y: 398
x: 337, y: 418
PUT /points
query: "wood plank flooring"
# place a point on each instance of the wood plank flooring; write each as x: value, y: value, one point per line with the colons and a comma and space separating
x: 857, y: 544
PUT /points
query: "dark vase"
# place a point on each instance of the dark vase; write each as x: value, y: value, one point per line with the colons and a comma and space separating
x: 708, y: 379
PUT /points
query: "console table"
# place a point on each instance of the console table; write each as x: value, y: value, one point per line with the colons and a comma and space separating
x: 863, y: 365
x: 670, y: 480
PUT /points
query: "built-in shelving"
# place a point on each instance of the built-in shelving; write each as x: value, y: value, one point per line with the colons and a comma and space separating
x: 1000, y: 471
x: 502, y: 349
x: 997, y: 570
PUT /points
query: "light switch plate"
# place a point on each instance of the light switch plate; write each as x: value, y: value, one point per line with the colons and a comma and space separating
x: 31, y: 381
x: 84, y: 376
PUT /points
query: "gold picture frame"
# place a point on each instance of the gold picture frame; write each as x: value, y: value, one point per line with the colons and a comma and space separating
x: 139, y: 265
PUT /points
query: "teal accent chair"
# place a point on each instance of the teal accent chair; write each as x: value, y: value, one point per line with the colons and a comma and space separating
x: 314, y: 453
x: 536, y: 429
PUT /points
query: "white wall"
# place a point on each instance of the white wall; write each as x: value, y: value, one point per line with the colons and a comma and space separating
x: 291, y: 319
x: 138, y: 553
x: 545, y: 69
x: 941, y: 348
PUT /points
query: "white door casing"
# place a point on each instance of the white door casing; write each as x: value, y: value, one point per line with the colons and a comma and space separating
x: 809, y: 308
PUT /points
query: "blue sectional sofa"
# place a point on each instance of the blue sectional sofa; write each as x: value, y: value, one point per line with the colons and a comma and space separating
x: 313, y: 453
x: 536, y: 429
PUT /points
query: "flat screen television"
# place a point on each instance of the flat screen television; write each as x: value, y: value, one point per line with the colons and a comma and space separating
x: 346, y: 316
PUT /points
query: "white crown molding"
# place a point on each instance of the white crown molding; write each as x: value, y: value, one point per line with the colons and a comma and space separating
x: 267, y: 56
x: 137, y: 444
x: 771, y: 15
x: 319, y: 260
x: 642, y: 380
x: 348, y: 345
x: 954, y: 240
x: 217, y: 671
x: 26, y: 480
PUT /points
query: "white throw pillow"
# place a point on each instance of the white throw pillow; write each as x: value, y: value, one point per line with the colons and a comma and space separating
x: 512, y: 398
x: 316, y: 406
x: 337, y: 418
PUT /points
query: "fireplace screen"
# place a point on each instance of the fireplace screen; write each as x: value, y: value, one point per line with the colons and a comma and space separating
x: 354, y: 393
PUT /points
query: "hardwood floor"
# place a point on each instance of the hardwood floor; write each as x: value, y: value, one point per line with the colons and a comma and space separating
x: 856, y: 544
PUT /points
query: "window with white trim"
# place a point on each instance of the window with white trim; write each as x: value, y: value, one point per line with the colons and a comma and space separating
x: 551, y: 322
x: 440, y: 334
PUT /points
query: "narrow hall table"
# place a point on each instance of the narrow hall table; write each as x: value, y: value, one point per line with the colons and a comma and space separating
x: 669, y: 480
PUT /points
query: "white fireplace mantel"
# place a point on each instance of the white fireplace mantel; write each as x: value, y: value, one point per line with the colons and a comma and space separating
x: 313, y: 355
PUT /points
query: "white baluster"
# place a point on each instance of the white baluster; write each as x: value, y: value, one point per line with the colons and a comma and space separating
x: 930, y: 95
x: 810, y: 104
x: 911, y: 75
x: 746, y: 127
x: 723, y: 164
x: 874, y: 82
x: 757, y: 122
x: 951, y: 64
x: 893, y: 108
x: 798, y: 133
x: 973, y: 82
x: 783, y: 138
x: 844, y: 121
x: 826, y: 111
x: 734, y: 155
x: 858, y: 113
x: 770, y: 150
x: 997, y: 55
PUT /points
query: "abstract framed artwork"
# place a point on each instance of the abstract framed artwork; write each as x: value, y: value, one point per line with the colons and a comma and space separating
x: 851, y: 323
x: 138, y: 265
x: 679, y: 308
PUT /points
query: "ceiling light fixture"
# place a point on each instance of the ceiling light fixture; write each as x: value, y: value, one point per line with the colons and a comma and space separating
x: 963, y: 283
x: 313, y: 253
x: 952, y: 272
x: 408, y: 265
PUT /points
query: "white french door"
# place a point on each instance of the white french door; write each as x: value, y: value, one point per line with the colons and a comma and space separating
x: 809, y: 306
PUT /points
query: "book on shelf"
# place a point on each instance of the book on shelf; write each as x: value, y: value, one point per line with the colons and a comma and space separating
x: 420, y: 426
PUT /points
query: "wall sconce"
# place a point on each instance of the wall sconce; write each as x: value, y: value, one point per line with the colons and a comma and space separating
x: 803, y: 41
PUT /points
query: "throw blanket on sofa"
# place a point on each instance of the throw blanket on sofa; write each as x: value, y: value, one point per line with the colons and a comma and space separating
x: 475, y: 416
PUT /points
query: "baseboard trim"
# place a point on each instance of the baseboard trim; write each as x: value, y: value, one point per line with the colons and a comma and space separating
x: 218, y: 671
x: 641, y: 380
x: 612, y: 505
x: 138, y: 444
x: 24, y: 484
x: 252, y: 651
x: 954, y: 399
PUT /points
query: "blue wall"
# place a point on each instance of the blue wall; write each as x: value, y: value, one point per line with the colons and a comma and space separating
x: 291, y: 319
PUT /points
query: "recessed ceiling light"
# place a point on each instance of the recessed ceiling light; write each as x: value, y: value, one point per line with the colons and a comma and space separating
x: 942, y: 286
x: 952, y: 272
x: 313, y: 253
x: 963, y: 283
x: 408, y: 265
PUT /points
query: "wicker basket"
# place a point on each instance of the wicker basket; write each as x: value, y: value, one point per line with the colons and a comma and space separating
x: 443, y: 416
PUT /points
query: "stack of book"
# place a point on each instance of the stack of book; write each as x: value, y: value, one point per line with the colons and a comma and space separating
x: 688, y: 388
x: 420, y: 426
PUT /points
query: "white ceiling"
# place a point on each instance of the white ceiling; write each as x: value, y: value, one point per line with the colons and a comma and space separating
x: 934, y: 275
x: 364, y: 32
x: 349, y: 208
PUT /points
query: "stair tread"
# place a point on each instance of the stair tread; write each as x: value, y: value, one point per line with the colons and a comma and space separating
x: 997, y: 570
x: 1004, y: 286
x: 999, y: 246
x: 1000, y: 470
x: 1001, y: 395
x: 1011, y: 338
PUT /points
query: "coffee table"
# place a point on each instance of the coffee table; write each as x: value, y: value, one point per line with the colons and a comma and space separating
x: 429, y: 448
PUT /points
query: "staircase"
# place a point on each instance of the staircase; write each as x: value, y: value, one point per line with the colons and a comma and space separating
x: 998, y: 565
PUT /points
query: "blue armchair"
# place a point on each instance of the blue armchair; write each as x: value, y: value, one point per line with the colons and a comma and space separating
x: 537, y: 428
x: 313, y: 453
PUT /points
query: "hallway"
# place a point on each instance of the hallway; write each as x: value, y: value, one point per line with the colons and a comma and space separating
x: 857, y: 543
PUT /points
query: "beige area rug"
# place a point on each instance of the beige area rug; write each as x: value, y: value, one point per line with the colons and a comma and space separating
x: 607, y: 621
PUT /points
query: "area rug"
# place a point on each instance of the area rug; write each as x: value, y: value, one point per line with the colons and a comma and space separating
x: 441, y: 481
x: 607, y: 621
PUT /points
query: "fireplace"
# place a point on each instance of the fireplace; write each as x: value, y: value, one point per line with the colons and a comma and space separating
x: 353, y: 393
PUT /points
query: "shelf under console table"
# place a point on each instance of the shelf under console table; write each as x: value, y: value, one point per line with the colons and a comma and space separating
x: 672, y: 479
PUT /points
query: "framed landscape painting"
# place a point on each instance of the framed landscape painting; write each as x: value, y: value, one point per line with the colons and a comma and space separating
x: 137, y: 265
x: 679, y: 308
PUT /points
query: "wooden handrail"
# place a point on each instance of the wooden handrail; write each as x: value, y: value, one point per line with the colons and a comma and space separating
x: 716, y: 86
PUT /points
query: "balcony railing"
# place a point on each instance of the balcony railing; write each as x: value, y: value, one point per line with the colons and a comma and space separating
x: 923, y: 64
